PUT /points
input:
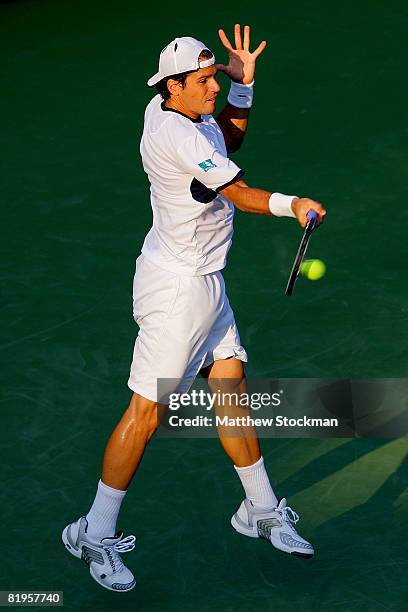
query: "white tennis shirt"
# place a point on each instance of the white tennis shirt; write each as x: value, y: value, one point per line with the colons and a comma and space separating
x: 186, y: 163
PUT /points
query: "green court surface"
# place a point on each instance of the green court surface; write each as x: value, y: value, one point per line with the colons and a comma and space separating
x: 328, y: 122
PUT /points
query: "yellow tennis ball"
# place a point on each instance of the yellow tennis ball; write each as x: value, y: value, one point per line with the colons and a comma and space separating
x: 313, y: 269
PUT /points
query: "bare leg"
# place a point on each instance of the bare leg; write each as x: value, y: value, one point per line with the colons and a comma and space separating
x: 128, y: 441
x: 242, y: 445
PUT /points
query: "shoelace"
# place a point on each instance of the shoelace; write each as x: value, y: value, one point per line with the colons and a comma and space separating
x: 288, y: 515
x: 125, y: 545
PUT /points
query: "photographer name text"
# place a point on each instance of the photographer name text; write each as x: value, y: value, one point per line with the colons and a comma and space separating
x: 248, y: 421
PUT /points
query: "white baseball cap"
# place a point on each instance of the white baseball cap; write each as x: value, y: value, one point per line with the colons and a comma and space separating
x: 180, y: 55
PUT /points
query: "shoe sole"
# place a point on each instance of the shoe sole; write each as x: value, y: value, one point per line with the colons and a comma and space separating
x: 252, y: 534
x: 78, y: 554
x: 71, y: 549
x: 238, y: 527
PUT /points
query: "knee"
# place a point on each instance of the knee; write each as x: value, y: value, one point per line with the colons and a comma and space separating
x: 228, y: 385
x: 226, y: 373
x: 142, y: 414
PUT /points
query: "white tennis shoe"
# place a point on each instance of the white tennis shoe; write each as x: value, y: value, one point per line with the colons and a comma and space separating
x: 275, y: 525
x: 103, y: 557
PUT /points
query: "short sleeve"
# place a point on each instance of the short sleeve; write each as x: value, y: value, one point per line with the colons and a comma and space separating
x: 198, y: 157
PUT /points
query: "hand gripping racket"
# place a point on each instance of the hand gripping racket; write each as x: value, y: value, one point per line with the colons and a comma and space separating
x: 311, y: 217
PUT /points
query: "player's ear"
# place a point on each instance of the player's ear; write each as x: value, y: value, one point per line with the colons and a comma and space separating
x: 174, y: 87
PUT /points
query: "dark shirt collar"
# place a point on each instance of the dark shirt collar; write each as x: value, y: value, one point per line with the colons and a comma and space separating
x: 173, y: 110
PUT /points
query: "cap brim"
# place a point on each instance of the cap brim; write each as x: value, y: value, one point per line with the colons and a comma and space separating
x: 154, y: 79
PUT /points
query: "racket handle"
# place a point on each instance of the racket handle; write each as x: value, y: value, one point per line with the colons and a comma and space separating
x: 312, y: 214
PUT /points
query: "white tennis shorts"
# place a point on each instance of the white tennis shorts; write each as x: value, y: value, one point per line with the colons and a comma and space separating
x: 186, y: 323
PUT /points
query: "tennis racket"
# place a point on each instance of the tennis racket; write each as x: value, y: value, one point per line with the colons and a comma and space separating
x: 311, y: 217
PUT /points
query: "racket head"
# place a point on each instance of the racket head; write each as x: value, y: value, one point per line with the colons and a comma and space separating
x: 311, y: 217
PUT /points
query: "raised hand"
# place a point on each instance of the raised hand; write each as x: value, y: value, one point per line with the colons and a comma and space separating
x: 241, y: 67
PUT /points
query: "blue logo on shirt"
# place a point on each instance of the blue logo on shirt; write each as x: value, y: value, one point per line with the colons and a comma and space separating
x: 207, y: 164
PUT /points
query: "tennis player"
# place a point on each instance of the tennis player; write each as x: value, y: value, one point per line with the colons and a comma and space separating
x: 185, y: 320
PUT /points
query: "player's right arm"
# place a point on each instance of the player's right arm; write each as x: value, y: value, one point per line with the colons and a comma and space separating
x: 257, y: 201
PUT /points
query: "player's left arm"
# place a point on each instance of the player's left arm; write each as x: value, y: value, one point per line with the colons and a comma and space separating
x: 233, y: 119
x: 233, y: 122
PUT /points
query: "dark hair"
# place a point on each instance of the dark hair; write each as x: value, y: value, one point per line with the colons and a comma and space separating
x: 161, y: 86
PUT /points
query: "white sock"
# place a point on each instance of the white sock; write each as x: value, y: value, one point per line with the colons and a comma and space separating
x: 256, y: 485
x: 104, y: 512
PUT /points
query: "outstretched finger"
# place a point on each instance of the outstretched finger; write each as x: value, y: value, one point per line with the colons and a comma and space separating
x: 259, y: 49
x: 221, y: 67
x: 238, y: 40
x: 246, y: 37
x: 224, y: 39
